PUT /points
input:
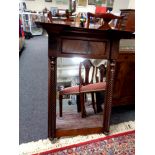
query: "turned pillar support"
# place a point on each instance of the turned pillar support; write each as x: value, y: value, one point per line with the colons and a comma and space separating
x: 108, y: 96
x: 52, y: 70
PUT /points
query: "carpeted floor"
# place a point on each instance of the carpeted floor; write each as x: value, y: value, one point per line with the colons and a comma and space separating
x: 46, y: 144
x: 33, y: 76
x: 117, y: 144
x: 33, y: 88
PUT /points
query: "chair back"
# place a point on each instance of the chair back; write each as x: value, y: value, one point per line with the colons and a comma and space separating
x: 103, y: 19
x: 102, y: 73
x: 86, y: 72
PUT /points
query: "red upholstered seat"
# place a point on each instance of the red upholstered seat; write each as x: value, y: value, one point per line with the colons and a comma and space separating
x: 93, y: 87
x: 70, y: 90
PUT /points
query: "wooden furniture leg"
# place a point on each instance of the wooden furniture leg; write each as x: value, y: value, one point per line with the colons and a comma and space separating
x: 106, y: 25
x: 99, y: 100
x: 52, y: 70
x: 83, y: 111
x: 78, y: 103
x: 60, y: 105
x: 108, y: 97
x: 93, y: 102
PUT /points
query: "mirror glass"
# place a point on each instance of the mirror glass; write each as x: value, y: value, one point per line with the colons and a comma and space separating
x: 68, y: 78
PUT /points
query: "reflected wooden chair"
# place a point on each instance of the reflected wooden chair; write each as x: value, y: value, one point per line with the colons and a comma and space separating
x: 100, y: 77
x: 100, y: 73
x: 86, y: 79
x: 92, y: 88
x: 86, y: 74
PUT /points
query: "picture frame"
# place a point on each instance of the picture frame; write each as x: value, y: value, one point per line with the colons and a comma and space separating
x: 62, y: 2
x: 82, y: 2
x: 110, y: 3
x: 91, y: 2
x: 104, y: 1
x: 48, y: 0
x: 99, y: 2
x: 54, y: 11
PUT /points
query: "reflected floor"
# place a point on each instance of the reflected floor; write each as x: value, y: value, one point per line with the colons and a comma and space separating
x: 71, y: 119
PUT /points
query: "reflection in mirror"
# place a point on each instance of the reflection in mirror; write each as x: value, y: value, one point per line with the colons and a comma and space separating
x: 69, y: 83
x: 127, y: 45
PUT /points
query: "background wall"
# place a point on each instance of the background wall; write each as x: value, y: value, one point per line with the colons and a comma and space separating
x: 131, y: 4
x: 123, y: 4
x: 87, y: 8
x: 39, y: 5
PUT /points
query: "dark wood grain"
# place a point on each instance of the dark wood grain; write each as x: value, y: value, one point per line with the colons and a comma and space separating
x: 108, y: 96
x: 75, y: 132
x: 128, y: 21
x: 52, y: 70
x: 91, y: 39
x: 107, y: 17
x: 124, y: 81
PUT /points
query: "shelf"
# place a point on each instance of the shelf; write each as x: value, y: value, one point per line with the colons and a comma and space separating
x: 29, y: 25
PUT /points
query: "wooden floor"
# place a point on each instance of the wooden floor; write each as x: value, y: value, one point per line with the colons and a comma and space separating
x: 71, y: 119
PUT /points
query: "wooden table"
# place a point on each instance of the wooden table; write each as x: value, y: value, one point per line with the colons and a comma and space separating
x: 68, y: 40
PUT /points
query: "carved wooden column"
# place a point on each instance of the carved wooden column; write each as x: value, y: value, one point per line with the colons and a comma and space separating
x: 108, y: 96
x: 52, y: 70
